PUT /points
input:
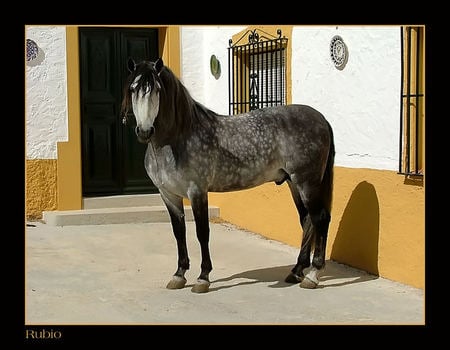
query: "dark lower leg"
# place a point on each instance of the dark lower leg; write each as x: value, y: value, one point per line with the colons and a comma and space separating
x: 200, y: 209
x: 320, y: 223
x: 176, y: 212
x: 303, y: 260
x: 179, y: 230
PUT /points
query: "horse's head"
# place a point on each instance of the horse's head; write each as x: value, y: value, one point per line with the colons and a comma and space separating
x: 142, y: 95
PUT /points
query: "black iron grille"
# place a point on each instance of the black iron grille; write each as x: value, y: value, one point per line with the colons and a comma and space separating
x: 412, y: 102
x: 257, y: 72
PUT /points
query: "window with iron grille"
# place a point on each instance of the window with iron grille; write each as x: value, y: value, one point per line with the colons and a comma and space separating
x: 412, y: 107
x: 257, y: 71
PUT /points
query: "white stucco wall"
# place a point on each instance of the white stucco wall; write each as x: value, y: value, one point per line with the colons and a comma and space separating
x: 46, y: 92
x: 198, y: 43
x: 362, y: 101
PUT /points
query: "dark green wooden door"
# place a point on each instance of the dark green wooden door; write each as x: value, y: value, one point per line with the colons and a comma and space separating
x: 112, y: 158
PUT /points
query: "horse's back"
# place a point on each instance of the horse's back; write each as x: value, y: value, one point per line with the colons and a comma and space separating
x: 298, y: 120
x: 294, y: 121
x: 296, y: 112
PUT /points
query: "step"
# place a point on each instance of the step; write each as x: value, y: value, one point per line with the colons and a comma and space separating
x: 136, y: 200
x: 121, y: 215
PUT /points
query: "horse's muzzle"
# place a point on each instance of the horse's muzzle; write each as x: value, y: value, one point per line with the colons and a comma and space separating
x: 144, y: 135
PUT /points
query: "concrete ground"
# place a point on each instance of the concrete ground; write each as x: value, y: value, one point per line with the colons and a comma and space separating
x: 116, y: 275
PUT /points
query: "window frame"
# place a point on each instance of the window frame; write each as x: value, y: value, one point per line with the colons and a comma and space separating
x: 240, y: 71
x: 412, y: 101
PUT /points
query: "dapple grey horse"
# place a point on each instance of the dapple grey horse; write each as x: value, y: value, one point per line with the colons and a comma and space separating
x: 193, y: 150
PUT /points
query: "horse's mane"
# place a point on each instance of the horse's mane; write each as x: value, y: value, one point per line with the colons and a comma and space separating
x: 178, y: 112
x: 188, y: 112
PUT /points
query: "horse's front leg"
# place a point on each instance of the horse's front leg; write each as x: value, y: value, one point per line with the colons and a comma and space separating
x: 199, y: 202
x: 175, y: 207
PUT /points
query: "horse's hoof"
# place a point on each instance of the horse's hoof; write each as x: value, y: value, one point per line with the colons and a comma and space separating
x: 201, y: 286
x: 176, y: 283
x: 293, y: 278
x: 308, y: 284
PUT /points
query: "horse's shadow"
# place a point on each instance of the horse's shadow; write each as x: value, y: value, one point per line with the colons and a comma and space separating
x: 343, y: 275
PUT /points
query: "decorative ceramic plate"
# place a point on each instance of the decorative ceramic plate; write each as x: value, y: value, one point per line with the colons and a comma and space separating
x: 32, y: 50
x: 339, y: 52
x: 215, y: 66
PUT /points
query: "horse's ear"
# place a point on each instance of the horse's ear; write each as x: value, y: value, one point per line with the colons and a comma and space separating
x: 131, y: 65
x: 159, y: 64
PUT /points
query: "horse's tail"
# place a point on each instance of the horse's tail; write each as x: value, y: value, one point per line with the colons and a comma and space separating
x: 327, y: 180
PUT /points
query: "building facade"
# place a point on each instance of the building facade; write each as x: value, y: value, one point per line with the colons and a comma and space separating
x: 378, y: 221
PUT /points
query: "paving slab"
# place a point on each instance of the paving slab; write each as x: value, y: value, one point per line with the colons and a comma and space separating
x: 116, y: 274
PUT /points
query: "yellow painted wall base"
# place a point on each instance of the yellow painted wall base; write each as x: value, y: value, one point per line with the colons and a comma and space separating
x: 377, y: 225
x: 40, y: 190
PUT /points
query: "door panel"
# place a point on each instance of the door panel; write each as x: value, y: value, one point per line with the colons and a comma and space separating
x: 100, y: 140
x: 138, y: 45
x: 100, y: 147
x: 112, y: 159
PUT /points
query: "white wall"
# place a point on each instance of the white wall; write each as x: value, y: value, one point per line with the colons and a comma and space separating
x: 362, y: 101
x: 198, y: 43
x: 46, y: 93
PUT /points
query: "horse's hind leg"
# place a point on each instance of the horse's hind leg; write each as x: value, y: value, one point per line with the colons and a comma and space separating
x: 175, y: 207
x: 319, y: 213
x: 320, y: 220
x: 303, y: 261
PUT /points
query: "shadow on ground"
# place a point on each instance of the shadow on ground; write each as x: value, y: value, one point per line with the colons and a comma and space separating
x: 341, y: 275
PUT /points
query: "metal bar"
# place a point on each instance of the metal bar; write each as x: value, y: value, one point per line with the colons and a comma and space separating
x: 236, y: 69
x: 280, y: 71
x: 253, y: 77
x: 240, y: 80
x: 282, y: 64
x: 265, y: 62
x: 400, y: 160
x: 230, y: 82
x: 271, y: 73
x: 417, y: 99
x: 232, y: 68
x: 277, y: 60
x: 235, y: 81
x: 250, y: 74
x: 408, y: 101
x: 245, y: 67
x: 413, y: 95
x: 260, y: 76
x: 254, y: 73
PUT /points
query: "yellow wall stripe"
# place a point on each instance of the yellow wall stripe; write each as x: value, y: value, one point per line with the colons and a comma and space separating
x: 40, y: 187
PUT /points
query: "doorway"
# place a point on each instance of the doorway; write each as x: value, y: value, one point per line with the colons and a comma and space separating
x: 112, y: 158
